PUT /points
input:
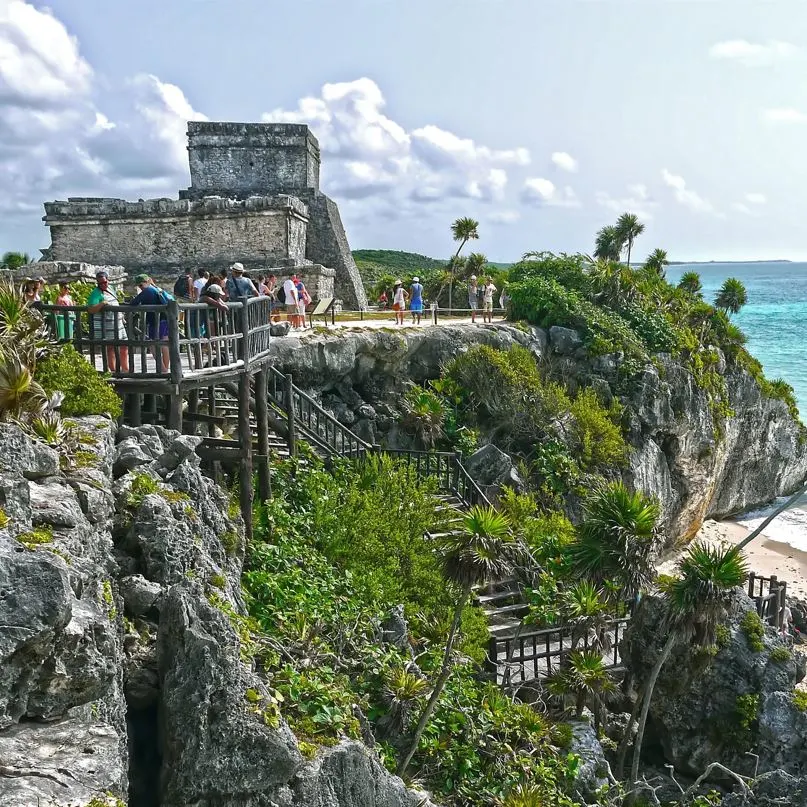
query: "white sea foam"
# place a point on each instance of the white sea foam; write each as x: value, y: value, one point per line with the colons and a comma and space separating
x: 789, y: 527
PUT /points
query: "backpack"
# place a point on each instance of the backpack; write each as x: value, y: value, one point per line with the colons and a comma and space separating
x: 165, y: 297
x: 181, y: 287
x: 281, y: 294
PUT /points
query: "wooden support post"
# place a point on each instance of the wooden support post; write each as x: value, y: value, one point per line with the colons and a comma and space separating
x: 289, y: 406
x: 262, y: 419
x: 751, y: 578
x: 215, y: 467
x: 245, y: 466
x: 134, y: 410
x: 245, y: 332
x: 193, y: 404
x: 175, y: 412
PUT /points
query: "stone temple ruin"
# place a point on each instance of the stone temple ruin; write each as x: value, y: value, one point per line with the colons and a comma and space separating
x: 254, y: 198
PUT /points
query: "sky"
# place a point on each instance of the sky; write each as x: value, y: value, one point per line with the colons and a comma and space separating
x: 542, y: 119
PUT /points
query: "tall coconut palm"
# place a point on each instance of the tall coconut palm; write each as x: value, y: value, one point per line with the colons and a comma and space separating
x: 463, y: 230
x: 695, y: 604
x: 483, y: 551
x: 732, y: 296
x: 607, y: 245
x: 690, y: 282
x: 617, y: 539
x: 628, y: 228
x: 656, y: 261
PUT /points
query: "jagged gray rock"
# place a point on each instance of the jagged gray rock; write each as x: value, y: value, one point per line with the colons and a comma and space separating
x: 492, y: 470
x: 348, y: 775
x: 696, y: 715
x: 593, y: 771
x: 564, y: 341
x: 218, y: 749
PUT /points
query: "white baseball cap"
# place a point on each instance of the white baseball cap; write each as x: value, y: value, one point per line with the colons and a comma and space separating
x: 473, y: 277
x: 416, y: 280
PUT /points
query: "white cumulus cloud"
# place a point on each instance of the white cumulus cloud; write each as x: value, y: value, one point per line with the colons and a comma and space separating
x: 564, y: 161
x: 756, y: 198
x: 544, y: 193
x: 686, y: 196
x: 637, y: 200
x: 755, y: 54
x: 369, y: 154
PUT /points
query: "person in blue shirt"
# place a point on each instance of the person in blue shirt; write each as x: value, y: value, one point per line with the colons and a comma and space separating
x: 416, y: 300
x: 156, y: 324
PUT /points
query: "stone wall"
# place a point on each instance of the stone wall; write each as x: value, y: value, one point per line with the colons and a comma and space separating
x: 165, y: 236
x: 240, y: 159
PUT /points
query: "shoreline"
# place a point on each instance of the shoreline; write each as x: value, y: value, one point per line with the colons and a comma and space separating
x: 765, y: 556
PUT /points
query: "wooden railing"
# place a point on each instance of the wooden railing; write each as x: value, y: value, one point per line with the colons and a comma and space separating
x: 770, y: 596
x: 537, y: 653
x: 317, y: 425
x: 165, y: 341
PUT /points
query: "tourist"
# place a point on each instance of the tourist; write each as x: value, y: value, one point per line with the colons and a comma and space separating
x: 64, y: 322
x: 30, y: 291
x: 487, y: 301
x: 201, y: 281
x: 382, y: 301
x: 303, y: 299
x: 290, y: 299
x: 156, y: 323
x: 238, y: 286
x: 399, y: 296
x: 416, y: 305
x: 183, y: 288
x: 215, y: 323
x: 109, y: 326
x: 40, y: 287
x: 473, y: 296
x: 504, y: 299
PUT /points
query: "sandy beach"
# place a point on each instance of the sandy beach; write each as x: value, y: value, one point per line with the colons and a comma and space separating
x: 765, y: 556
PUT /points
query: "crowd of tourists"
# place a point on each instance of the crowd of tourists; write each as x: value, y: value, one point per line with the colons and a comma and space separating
x: 480, y: 297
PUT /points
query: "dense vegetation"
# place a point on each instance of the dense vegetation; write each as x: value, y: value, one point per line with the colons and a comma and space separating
x: 636, y: 312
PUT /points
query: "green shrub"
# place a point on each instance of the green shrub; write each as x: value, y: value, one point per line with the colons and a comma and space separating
x: 142, y: 485
x: 722, y: 636
x: 800, y: 700
x: 598, y: 440
x: 780, y: 655
x: 86, y: 391
x: 751, y: 625
x: 230, y: 542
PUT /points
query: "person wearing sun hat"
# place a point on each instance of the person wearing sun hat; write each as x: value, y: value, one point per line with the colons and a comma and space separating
x: 239, y: 286
x: 399, y: 296
x: 106, y: 325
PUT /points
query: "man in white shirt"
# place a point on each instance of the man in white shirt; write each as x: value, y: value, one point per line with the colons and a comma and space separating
x: 290, y: 300
x: 487, y: 300
x: 199, y: 284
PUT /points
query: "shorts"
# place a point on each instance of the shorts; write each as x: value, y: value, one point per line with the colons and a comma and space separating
x: 416, y: 306
x: 473, y: 303
x: 489, y: 305
x: 291, y: 308
x: 301, y: 307
x: 163, y: 330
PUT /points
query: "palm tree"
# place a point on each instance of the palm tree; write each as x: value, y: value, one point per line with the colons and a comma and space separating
x: 690, y: 282
x: 11, y: 261
x: 656, y: 261
x: 607, y: 245
x: 695, y: 604
x: 485, y: 550
x: 587, y: 680
x: 617, y: 539
x: 475, y: 263
x: 463, y: 230
x: 628, y: 228
x: 732, y: 296
x: 584, y: 607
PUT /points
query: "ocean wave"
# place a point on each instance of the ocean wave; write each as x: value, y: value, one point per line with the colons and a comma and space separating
x: 789, y: 527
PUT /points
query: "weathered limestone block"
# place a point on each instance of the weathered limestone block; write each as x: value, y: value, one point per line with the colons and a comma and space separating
x: 63, y: 763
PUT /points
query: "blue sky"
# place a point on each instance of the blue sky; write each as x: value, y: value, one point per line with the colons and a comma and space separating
x: 544, y: 120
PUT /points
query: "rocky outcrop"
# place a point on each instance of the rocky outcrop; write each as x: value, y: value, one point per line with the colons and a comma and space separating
x: 697, y: 465
x: 718, y: 705
x: 124, y: 676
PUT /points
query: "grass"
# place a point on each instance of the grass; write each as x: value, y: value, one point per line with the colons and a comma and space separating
x: 36, y: 537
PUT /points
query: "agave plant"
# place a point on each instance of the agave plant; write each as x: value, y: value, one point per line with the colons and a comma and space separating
x: 524, y: 795
x: 585, y: 607
x: 22, y: 328
x: 20, y: 394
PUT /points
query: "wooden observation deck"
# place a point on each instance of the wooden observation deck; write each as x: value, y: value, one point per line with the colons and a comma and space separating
x: 171, y: 364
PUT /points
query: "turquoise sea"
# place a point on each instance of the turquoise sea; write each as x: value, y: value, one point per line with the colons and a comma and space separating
x: 775, y: 318
x: 775, y: 321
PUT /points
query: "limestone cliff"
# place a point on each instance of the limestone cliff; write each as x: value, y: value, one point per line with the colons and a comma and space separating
x: 697, y: 465
x: 121, y: 680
